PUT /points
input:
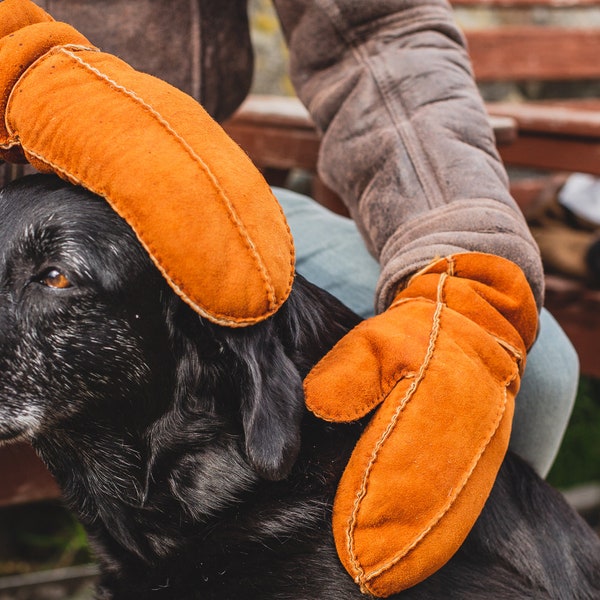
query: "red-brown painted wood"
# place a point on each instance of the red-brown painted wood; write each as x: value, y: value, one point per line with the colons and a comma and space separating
x: 24, y: 477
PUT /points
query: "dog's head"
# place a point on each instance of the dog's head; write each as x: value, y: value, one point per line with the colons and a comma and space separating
x: 90, y: 330
x: 70, y: 296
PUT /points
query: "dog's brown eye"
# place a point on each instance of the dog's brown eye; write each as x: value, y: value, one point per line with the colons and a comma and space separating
x: 55, y: 279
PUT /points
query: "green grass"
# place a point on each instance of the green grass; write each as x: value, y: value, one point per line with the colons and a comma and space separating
x: 40, y: 536
x: 578, y: 460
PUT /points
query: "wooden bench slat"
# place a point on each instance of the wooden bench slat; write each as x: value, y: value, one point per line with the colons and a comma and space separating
x: 577, y: 309
x: 526, y: 3
x: 563, y: 136
x: 276, y: 132
x: 524, y: 52
x: 24, y: 476
x: 542, y: 151
x: 574, y: 118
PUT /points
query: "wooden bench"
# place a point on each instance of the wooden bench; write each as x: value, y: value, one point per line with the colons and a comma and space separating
x: 558, y: 134
x: 561, y: 134
x: 23, y: 476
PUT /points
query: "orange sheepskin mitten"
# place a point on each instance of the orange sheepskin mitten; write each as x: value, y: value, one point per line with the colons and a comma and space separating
x: 198, y: 205
x: 443, y: 366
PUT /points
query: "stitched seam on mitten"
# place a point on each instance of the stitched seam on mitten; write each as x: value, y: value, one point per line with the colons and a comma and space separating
x: 219, y: 318
x: 387, y: 385
x: 212, y: 316
x: 459, y: 489
x: 234, y: 217
x: 360, y: 576
x: 509, y: 348
x: 13, y: 138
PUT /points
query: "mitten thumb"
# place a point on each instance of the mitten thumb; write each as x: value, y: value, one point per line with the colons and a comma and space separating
x: 364, y: 366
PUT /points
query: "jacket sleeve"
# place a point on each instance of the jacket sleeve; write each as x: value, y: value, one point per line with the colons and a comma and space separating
x: 406, y: 140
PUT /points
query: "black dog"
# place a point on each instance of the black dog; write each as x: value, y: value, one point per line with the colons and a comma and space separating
x: 185, y: 448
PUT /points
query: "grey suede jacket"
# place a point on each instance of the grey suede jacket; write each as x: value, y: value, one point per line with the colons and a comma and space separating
x: 406, y: 141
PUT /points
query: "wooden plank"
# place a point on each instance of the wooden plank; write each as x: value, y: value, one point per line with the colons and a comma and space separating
x: 527, y: 190
x: 276, y: 147
x: 558, y: 153
x: 274, y: 110
x: 276, y: 132
x: 526, y: 3
x: 24, y: 477
x: 577, y: 309
x: 566, y: 118
x: 523, y: 52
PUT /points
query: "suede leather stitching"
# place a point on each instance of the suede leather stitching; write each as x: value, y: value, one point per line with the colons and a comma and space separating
x: 221, y: 319
x: 55, y: 168
x: 381, y: 570
x: 490, y: 436
x: 386, y: 388
x: 510, y: 349
x: 360, y: 577
x: 227, y: 203
x: 364, y: 580
x: 218, y: 319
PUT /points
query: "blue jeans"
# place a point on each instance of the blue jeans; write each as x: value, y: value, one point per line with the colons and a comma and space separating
x: 331, y: 253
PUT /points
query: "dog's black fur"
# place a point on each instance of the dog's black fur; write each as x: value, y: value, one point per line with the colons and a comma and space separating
x: 185, y: 448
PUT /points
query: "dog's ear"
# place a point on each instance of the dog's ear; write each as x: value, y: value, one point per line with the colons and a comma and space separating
x: 248, y: 374
x: 275, y: 356
x: 272, y: 401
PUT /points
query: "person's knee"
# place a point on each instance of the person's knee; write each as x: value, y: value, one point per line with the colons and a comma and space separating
x: 554, y: 360
x: 545, y: 400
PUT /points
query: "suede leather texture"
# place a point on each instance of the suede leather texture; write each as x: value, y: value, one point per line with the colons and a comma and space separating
x: 406, y: 143
x: 376, y: 78
x: 197, y: 203
x: 17, y: 14
x: 442, y: 368
x: 187, y: 43
x: 406, y: 140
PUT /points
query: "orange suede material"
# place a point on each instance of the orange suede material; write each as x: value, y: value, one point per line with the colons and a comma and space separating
x: 15, y: 14
x: 499, y: 285
x: 443, y: 365
x: 196, y: 202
